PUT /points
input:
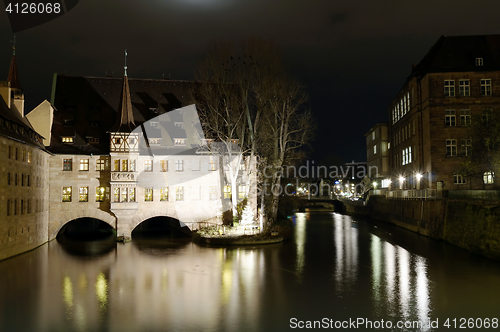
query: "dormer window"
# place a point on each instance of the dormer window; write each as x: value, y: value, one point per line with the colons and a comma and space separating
x: 180, y: 141
x: 154, y: 141
x: 93, y: 140
x: 153, y: 109
x: 178, y: 124
x: 154, y: 124
x: 479, y: 61
x: 94, y: 124
x: 67, y: 139
x: 118, y: 140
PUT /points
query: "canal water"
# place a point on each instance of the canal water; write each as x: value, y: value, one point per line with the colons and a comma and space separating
x: 337, y: 270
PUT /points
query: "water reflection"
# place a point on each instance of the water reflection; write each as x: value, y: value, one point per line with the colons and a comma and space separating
x: 405, y: 282
x: 346, y: 252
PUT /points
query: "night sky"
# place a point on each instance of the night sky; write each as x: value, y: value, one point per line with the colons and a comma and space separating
x: 351, y: 56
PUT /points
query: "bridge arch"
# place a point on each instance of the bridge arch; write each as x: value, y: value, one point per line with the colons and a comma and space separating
x: 58, y: 221
x: 151, y: 213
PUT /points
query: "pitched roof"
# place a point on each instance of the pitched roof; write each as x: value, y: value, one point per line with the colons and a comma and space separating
x: 459, y: 53
x: 125, y: 119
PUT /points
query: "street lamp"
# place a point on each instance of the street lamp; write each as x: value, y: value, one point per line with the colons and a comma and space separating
x: 375, y: 184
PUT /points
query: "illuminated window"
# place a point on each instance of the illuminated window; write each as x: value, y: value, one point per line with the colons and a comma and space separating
x: 67, y: 139
x: 124, y: 165
x: 464, y: 88
x: 164, y: 165
x: 164, y: 194
x: 66, y: 194
x: 374, y: 149
x: 148, y: 166
x: 148, y: 194
x: 179, y: 193
x: 450, y: 118
x: 180, y: 141
x: 100, y: 165
x: 124, y: 195
x: 131, y: 196
x: 212, y: 166
x: 29, y: 157
x: 83, y: 194
x: 486, y: 87
x: 84, y: 164
x: 116, y: 195
x: 99, y: 194
x: 116, y: 165
x: 465, y: 117
x: 243, y: 166
x: 67, y: 164
x: 458, y: 179
x: 227, y: 192
x: 179, y: 165
x: 479, y: 61
x: 488, y: 177
x: 132, y: 165
x: 212, y: 192
x: 241, y: 192
x: 451, y: 147
x: 449, y: 88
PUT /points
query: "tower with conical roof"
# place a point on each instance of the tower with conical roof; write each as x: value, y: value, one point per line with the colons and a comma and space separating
x: 11, y: 91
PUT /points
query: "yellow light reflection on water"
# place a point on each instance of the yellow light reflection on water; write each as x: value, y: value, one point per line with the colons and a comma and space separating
x: 101, y: 290
x: 300, y: 240
x: 422, y: 290
x: 390, y: 273
x: 376, y: 252
x: 404, y: 281
x: 68, y: 292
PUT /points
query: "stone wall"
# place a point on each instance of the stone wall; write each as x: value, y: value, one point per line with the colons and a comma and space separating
x: 469, y: 224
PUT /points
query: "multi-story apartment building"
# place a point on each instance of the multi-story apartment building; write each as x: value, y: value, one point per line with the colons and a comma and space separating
x: 377, y: 153
x: 430, y: 116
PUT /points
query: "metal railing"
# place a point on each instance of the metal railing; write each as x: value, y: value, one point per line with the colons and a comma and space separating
x: 412, y: 194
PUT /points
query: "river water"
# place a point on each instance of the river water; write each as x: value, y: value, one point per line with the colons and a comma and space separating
x: 337, y: 269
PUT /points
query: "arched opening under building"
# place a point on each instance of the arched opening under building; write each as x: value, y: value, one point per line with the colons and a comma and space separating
x: 161, y: 227
x: 87, y: 236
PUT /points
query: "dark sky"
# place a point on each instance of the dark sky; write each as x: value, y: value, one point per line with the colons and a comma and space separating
x: 352, y: 56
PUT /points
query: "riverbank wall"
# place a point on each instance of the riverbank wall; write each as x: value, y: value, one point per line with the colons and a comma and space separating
x: 469, y: 224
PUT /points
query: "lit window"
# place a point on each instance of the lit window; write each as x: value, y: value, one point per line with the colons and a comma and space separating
x: 464, y: 88
x: 132, y: 165
x: 449, y: 88
x: 179, y: 165
x: 124, y: 165
x: 67, y: 164
x: 465, y: 117
x: 488, y: 177
x: 116, y: 195
x: 67, y: 139
x: 450, y: 118
x: 241, y: 192
x: 164, y: 194
x: 99, y: 194
x: 148, y: 166
x: 148, y: 194
x: 458, y: 179
x: 83, y: 194
x: 180, y: 141
x: 29, y: 157
x: 212, y: 193
x: 66, y: 194
x: 164, y: 165
x: 374, y: 149
x: 124, y: 195
x: 212, y: 165
x: 243, y: 166
x: 84, y: 164
x: 227, y: 192
x: 479, y: 61
x: 116, y: 165
x: 100, y: 165
x: 373, y: 135
x: 466, y: 147
x: 179, y: 193
x: 154, y: 141
x: 451, y: 147
x: 131, y: 196
x: 486, y: 87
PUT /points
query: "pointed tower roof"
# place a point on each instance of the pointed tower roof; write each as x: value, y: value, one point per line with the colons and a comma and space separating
x: 125, y: 120
x: 13, y: 76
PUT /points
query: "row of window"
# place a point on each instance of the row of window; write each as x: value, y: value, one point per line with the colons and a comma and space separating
x: 24, y: 206
x: 22, y: 180
x: 464, y: 88
x: 405, y: 133
x: 488, y: 178
x: 127, y: 194
x: 403, y: 158
x: 450, y: 118
x: 451, y: 147
x: 401, y: 108
x: 125, y: 165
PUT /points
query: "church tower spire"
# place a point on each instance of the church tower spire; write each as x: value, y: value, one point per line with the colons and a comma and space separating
x: 13, y: 76
x: 125, y: 120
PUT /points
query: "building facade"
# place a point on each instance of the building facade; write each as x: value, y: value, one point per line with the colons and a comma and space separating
x: 429, y: 132
x: 377, y: 153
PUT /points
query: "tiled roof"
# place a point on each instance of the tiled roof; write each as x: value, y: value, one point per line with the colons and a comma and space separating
x: 92, y: 106
x: 13, y: 77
